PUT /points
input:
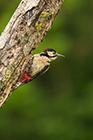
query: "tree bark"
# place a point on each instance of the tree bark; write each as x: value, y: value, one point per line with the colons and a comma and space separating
x: 26, y: 29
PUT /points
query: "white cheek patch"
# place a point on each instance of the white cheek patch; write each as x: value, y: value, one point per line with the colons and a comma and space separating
x: 50, y: 54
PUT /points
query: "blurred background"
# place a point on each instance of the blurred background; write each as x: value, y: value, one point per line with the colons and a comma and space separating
x: 59, y: 104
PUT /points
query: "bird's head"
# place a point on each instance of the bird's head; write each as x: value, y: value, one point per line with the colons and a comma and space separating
x: 51, y: 54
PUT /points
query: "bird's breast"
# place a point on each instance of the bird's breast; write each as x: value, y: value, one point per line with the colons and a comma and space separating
x: 39, y: 64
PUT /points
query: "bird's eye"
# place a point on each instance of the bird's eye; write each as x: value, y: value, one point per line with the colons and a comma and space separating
x: 54, y: 53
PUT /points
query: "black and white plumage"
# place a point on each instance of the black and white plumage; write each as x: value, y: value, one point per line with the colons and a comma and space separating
x: 40, y: 64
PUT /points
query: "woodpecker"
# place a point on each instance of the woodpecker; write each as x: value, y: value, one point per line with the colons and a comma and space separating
x: 40, y: 64
x: 42, y: 61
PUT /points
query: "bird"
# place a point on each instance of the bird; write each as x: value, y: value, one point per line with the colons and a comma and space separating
x: 42, y: 61
x: 40, y: 64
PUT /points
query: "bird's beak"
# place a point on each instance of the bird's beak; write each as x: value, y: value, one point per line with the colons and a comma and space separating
x: 60, y: 55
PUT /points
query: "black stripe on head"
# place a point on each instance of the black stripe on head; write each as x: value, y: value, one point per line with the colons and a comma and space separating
x: 50, y: 50
x: 46, y: 53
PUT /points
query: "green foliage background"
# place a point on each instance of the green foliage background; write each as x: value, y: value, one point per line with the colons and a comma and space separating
x: 59, y: 104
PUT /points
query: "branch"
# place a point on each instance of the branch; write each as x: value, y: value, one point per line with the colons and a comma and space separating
x: 26, y: 29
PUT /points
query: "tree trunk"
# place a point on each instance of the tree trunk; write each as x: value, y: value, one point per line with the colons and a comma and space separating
x: 26, y: 29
